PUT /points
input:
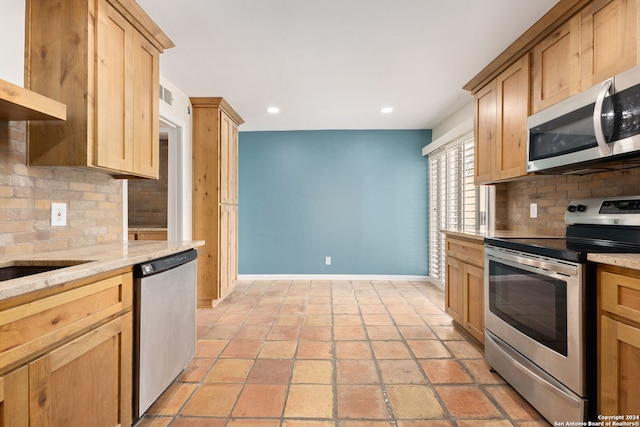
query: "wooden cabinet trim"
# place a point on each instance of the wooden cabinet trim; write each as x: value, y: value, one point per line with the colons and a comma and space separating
x: 18, y: 103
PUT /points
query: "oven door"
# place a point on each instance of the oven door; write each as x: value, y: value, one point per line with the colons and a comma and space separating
x: 536, y: 306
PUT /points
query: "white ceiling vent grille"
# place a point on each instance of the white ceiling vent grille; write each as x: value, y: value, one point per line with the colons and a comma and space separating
x: 166, y: 95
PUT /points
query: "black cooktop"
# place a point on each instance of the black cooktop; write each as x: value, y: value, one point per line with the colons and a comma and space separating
x: 580, y: 241
x: 551, y: 248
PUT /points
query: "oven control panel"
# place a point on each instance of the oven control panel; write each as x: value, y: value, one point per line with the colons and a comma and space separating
x: 604, y: 211
x: 620, y: 207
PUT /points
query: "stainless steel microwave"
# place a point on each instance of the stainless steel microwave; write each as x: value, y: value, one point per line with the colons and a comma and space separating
x: 596, y: 126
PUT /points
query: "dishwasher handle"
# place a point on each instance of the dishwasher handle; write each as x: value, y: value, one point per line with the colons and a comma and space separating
x: 163, y: 264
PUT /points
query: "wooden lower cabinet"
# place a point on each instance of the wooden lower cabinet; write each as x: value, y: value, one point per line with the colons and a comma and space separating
x: 619, y: 346
x: 66, y: 357
x: 464, y: 291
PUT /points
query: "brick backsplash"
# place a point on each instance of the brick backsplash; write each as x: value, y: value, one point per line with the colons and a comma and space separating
x: 94, y: 201
x: 553, y: 194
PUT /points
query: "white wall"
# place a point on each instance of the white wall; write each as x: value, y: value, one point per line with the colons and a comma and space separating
x: 462, y: 115
x: 453, y: 127
x: 12, y: 41
x: 180, y: 177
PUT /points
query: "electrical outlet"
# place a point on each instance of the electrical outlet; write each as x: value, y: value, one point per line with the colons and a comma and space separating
x: 533, y: 210
x: 327, y: 260
x: 58, y: 214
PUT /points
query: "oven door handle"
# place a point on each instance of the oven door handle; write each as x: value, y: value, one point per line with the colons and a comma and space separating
x: 605, y: 149
x: 545, y: 267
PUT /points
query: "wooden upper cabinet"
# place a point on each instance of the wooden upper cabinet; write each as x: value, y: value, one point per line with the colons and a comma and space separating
x: 609, y: 39
x: 501, y: 111
x: 513, y: 111
x: 486, y: 127
x: 556, y: 66
x: 105, y: 68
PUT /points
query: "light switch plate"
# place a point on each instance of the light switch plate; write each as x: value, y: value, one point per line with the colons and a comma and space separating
x: 533, y: 210
x: 58, y: 214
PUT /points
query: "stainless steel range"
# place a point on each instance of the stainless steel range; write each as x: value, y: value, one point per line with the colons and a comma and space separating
x: 540, y: 306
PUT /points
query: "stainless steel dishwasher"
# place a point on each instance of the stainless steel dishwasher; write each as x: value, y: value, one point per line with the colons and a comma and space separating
x: 164, y: 324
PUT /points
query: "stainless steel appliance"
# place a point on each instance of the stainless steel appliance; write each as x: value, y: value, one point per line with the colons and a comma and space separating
x: 588, y: 130
x: 164, y: 324
x: 540, y: 306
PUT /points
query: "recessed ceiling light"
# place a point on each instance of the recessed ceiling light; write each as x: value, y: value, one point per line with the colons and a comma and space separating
x: 386, y: 110
x: 273, y: 110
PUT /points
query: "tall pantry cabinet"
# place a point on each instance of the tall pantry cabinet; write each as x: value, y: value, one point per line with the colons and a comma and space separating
x: 215, y: 196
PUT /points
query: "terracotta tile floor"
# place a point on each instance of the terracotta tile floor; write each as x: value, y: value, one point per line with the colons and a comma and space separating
x: 336, y: 354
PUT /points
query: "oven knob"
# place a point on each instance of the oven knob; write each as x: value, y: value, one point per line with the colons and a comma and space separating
x: 571, y: 208
x: 581, y: 208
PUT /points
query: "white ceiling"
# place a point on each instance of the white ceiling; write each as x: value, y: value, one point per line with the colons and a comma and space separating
x: 332, y: 64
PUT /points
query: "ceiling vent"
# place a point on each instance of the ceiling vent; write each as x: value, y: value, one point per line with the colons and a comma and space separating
x: 166, y: 95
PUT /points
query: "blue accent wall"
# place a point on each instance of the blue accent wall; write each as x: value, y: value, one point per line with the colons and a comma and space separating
x: 359, y: 197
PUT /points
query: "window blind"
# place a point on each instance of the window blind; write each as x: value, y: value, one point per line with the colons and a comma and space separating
x: 453, y: 198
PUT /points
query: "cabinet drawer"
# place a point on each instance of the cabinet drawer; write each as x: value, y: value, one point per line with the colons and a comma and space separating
x: 37, y: 324
x: 466, y: 250
x: 620, y: 293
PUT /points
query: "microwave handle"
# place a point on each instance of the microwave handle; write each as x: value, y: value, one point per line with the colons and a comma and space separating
x: 597, y: 117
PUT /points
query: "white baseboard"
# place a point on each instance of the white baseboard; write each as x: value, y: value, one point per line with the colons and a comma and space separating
x: 372, y: 277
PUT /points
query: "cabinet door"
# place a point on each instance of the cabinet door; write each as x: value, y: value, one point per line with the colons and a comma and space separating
x: 228, y: 272
x: 454, y: 290
x: 474, y: 299
x: 228, y: 160
x: 85, y: 382
x: 14, y: 398
x: 620, y: 293
x: 619, y: 376
x: 114, y: 87
x: 556, y: 66
x: 146, y: 75
x: 609, y: 39
x: 486, y: 126
x: 512, y: 113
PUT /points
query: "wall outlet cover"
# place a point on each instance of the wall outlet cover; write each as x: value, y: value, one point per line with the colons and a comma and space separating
x: 533, y: 210
x: 58, y: 214
x: 327, y: 260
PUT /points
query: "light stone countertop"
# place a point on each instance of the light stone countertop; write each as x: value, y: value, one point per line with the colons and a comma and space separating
x: 95, y: 259
x: 621, y: 260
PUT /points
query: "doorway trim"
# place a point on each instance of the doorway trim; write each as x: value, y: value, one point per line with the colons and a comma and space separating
x: 179, y: 181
